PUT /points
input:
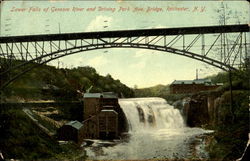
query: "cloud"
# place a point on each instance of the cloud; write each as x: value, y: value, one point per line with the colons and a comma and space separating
x: 99, y: 23
x: 97, y: 61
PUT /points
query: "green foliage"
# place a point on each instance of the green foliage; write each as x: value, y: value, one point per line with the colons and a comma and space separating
x: 47, y: 82
x: 219, y: 78
x: 162, y: 91
x: 70, y: 151
x: 229, y: 142
x: 240, y: 80
x: 155, y: 91
x: 232, y: 127
x: 20, y: 138
x: 69, y: 112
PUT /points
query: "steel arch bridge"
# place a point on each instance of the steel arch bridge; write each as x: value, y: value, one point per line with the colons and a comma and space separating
x: 224, y: 47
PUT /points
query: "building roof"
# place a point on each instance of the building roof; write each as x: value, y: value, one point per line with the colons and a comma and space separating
x: 92, y: 95
x: 109, y: 110
x: 196, y: 81
x: 99, y: 95
x: 75, y: 124
x: 108, y: 106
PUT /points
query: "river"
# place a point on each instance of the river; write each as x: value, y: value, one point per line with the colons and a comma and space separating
x: 156, y: 130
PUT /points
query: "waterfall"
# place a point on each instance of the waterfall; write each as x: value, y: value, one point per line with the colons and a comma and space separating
x: 156, y: 129
x: 150, y: 113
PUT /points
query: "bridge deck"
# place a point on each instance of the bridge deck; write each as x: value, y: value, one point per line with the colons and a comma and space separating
x: 128, y: 33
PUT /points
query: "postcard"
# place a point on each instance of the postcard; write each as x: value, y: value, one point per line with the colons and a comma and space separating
x: 124, y: 79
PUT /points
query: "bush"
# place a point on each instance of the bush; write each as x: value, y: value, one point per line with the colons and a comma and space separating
x: 231, y: 135
x: 22, y: 139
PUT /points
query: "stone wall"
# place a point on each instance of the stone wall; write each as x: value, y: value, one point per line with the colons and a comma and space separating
x: 202, y: 109
x: 209, y: 109
x: 195, y: 111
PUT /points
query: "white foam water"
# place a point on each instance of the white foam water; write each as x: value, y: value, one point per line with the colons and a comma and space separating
x: 156, y: 129
x: 150, y: 113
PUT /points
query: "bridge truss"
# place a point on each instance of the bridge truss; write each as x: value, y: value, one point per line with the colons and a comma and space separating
x: 224, y: 47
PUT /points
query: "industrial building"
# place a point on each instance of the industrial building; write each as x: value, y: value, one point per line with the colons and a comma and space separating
x: 72, y: 130
x: 103, y: 117
x: 108, y: 124
x: 192, y: 86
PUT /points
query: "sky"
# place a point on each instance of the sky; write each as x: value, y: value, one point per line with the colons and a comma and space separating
x: 140, y: 67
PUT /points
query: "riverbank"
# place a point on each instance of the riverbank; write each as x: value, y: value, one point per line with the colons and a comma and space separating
x: 22, y: 138
x: 212, y: 110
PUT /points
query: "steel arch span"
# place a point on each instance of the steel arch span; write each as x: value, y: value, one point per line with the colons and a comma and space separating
x: 224, y: 47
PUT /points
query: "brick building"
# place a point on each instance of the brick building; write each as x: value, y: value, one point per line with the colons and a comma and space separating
x: 192, y: 86
x: 103, y: 117
x: 108, y: 124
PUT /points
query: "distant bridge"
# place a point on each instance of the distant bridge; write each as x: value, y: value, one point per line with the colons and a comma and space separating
x: 224, y: 47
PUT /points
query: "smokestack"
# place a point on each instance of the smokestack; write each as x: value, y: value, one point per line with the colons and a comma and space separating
x: 196, y: 74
